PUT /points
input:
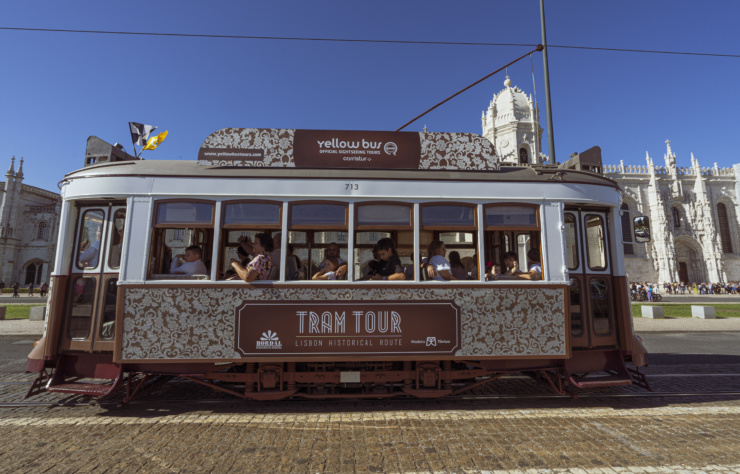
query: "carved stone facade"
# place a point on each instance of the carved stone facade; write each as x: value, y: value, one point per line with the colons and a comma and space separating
x: 693, y: 211
x: 694, y: 218
x: 29, y: 223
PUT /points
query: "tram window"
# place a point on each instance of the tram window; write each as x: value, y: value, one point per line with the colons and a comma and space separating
x: 448, y: 215
x: 377, y: 221
x: 244, y: 220
x: 116, y: 238
x: 81, y: 311
x: 602, y: 321
x: 168, y: 243
x: 107, y: 329
x: 318, y: 214
x: 595, y: 245
x: 325, y: 229
x: 264, y: 214
x: 576, y: 316
x: 510, y: 228
x: 571, y: 241
x: 177, y: 226
x: 90, y: 237
x: 511, y: 216
x: 383, y: 215
x: 184, y: 212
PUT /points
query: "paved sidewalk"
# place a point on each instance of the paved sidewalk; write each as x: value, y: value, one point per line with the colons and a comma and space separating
x: 685, y: 325
x: 21, y: 327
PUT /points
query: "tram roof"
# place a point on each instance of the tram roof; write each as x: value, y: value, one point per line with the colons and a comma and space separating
x: 339, y: 154
x: 190, y: 169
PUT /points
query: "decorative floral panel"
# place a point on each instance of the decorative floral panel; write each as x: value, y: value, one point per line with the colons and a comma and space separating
x: 199, y: 323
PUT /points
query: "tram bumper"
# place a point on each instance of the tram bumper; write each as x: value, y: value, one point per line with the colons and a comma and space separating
x: 639, y: 352
x: 35, y: 361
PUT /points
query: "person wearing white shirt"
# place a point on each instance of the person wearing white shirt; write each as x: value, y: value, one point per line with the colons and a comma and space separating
x: 192, y: 264
x: 436, y: 258
x: 535, y: 267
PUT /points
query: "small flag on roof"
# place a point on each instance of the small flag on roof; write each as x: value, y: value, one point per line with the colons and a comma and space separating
x: 140, y: 132
x: 155, y: 141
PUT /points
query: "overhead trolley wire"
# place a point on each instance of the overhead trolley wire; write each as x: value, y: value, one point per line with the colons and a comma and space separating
x: 538, y: 48
x: 350, y: 40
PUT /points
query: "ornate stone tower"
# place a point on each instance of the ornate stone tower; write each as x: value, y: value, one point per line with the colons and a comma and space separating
x: 511, y: 123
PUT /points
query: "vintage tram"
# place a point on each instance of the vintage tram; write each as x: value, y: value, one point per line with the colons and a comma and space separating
x: 118, y: 316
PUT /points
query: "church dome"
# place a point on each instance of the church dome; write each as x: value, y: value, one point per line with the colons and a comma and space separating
x: 511, y: 104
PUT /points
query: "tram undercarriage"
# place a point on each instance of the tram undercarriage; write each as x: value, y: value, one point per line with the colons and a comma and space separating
x: 96, y: 375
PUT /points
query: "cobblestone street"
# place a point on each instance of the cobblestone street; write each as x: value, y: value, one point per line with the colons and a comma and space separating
x: 622, y: 430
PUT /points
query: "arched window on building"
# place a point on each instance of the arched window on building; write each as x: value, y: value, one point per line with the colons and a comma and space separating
x: 627, y: 230
x: 41, y: 233
x: 33, y: 273
x: 523, y: 156
x: 676, y: 217
x: 724, y: 228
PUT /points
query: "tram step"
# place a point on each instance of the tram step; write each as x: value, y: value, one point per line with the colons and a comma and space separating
x: 73, y: 367
x: 93, y: 389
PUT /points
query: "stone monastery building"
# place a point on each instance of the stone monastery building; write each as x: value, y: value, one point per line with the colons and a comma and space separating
x: 29, y: 222
x: 693, y: 210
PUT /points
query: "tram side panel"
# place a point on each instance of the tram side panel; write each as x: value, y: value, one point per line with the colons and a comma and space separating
x: 215, y: 323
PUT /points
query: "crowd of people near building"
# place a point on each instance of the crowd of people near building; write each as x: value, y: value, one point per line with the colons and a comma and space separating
x: 683, y: 288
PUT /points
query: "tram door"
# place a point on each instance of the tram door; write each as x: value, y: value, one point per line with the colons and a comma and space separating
x: 591, y: 289
x: 91, y: 293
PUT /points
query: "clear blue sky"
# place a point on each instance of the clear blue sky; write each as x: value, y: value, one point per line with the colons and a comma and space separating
x: 59, y: 88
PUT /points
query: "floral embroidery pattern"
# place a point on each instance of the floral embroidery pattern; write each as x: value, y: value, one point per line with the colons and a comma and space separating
x: 199, y: 323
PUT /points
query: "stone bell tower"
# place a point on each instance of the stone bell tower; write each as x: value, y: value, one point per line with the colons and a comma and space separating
x: 511, y: 123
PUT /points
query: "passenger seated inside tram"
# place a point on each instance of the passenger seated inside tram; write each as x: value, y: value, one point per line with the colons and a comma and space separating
x: 370, y: 268
x: 389, y: 265
x: 511, y: 260
x: 535, y: 267
x: 457, y: 267
x: 191, y: 262
x: 328, y: 271
x: 259, y: 267
x: 300, y: 268
x: 332, y: 253
x: 89, y: 251
x: 291, y: 264
x: 493, y: 272
x: 436, y: 265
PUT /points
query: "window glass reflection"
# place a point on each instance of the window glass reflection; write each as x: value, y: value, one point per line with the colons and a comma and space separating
x: 448, y: 215
x: 602, y: 323
x: 252, y: 213
x: 107, y: 329
x: 83, y: 297
x: 116, y: 238
x: 184, y: 213
x: 318, y: 214
x: 595, y: 242
x: 91, y: 232
x: 571, y: 241
x: 576, y: 316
